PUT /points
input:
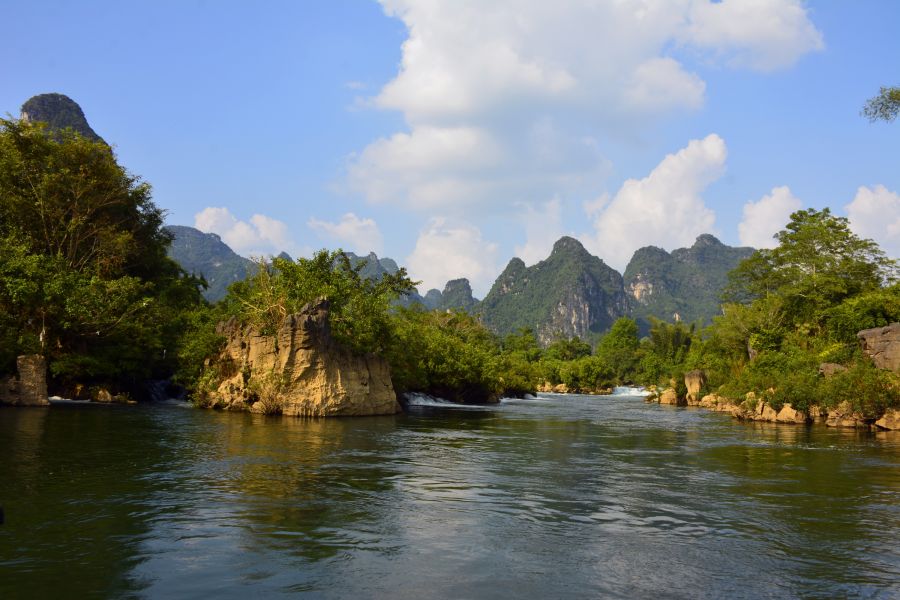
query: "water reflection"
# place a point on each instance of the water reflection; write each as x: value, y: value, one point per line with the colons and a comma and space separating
x: 559, y: 496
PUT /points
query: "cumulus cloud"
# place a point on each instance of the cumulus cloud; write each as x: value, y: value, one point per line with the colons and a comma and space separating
x: 261, y: 235
x: 543, y: 226
x: 498, y: 96
x: 763, y: 219
x: 450, y: 249
x: 875, y: 214
x: 362, y: 234
x: 664, y: 209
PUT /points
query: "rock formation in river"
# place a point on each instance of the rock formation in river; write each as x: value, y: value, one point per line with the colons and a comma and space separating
x: 30, y: 388
x: 316, y: 376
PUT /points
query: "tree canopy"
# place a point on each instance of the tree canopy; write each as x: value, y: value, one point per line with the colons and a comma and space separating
x: 84, y: 275
x: 819, y: 262
x: 883, y: 107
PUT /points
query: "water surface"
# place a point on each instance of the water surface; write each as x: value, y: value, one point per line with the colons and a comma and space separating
x: 559, y: 496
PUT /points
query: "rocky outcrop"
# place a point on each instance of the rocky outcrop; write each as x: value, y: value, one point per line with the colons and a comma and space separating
x: 670, y: 396
x: 844, y: 416
x: 882, y: 345
x: 890, y: 420
x: 30, y: 388
x: 303, y: 370
x: 694, y: 381
x: 826, y: 370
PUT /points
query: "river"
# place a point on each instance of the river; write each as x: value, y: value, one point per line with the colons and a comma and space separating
x: 554, y: 497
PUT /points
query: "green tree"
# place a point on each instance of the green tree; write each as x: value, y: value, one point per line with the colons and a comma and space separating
x: 883, y: 107
x: 565, y: 349
x: 85, y: 276
x: 623, y: 335
x: 818, y: 263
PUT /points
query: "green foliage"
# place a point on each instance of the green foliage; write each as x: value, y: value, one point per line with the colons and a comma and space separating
x: 864, y: 388
x: 671, y: 341
x: 883, y: 107
x: 85, y: 276
x: 623, y: 335
x: 360, y: 307
x: 818, y: 263
x: 875, y: 309
x: 449, y: 355
x: 565, y: 349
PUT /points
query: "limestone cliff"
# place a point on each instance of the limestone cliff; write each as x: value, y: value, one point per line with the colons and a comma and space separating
x: 571, y: 292
x: 457, y: 294
x: 317, y: 377
x: 684, y: 284
x: 58, y: 111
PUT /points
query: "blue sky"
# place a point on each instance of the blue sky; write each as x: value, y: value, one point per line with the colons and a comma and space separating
x: 452, y: 136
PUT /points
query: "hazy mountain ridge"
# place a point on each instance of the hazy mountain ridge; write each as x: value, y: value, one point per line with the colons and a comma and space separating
x: 206, y: 253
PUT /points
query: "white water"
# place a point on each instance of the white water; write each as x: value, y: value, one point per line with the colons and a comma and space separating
x: 627, y: 390
x: 416, y: 399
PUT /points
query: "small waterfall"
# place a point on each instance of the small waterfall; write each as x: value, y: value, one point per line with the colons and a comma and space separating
x: 628, y: 390
x: 417, y: 399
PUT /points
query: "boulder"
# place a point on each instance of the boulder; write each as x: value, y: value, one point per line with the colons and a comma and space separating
x: 306, y: 372
x: 695, y: 380
x: 789, y: 415
x: 890, y: 420
x: 828, y: 369
x: 30, y: 389
x: 882, y: 345
x: 843, y: 416
x: 105, y: 396
x: 670, y: 397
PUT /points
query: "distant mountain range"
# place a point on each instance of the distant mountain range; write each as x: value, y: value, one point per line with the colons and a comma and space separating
x: 570, y: 293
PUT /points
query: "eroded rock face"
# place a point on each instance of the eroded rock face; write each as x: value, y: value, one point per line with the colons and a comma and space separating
x: 694, y: 381
x: 844, y: 416
x: 890, y: 420
x: 30, y: 389
x: 320, y: 377
x: 882, y: 345
x: 671, y: 397
x: 826, y: 370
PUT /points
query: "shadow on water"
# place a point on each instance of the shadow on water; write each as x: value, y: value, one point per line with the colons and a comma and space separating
x: 561, y: 496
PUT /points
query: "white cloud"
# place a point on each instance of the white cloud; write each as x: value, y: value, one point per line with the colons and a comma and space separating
x: 664, y: 209
x: 763, y: 219
x: 542, y: 228
x: 263, y: 235
x: 498, y: 95
x: 450, y: 249
x: 875, y: 214
x: 362, y: 234
x: 763, y: 35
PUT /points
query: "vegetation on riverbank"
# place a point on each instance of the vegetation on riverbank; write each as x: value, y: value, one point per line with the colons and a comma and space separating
x: 84, y: 276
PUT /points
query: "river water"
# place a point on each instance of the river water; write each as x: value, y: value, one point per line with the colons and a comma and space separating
x: 554, y: 497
